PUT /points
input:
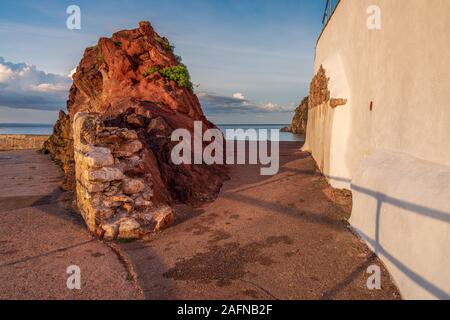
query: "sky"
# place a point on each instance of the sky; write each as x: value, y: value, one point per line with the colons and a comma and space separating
x: 251, y: 60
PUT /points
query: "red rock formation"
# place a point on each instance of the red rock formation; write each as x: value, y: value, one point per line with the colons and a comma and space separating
x: 133, y: 80
x: 299, y: 122
x: 121, y: 67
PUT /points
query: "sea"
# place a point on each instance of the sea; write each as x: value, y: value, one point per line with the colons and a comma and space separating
x: 26, y: 128
x: 261, y: 128
x: 46, y: 129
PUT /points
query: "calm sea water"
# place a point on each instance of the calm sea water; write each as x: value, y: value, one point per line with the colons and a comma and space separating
x: 283, y: 136
x: 46, y: 129
x: 20, y: 128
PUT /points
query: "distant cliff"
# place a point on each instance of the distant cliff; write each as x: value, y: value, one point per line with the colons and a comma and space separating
x: 298, y: 125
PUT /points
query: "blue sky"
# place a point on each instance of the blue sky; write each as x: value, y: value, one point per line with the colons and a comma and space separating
x: 255, y: 51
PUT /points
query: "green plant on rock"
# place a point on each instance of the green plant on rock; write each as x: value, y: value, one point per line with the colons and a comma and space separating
x: 165, y: 43
x: 179, y: 74
x: 178, y: 58
x: 118, y: 43
x: 150, y: 71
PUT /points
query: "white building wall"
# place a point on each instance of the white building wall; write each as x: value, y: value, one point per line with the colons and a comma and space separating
x: 404, y: 70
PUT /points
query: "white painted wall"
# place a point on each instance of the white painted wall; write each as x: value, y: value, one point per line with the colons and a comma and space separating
x: 404, y: 69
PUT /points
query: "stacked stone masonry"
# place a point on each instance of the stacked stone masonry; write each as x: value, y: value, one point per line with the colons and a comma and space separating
x: 113, y: 190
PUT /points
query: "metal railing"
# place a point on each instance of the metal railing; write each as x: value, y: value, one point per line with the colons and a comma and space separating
x: 329, y: 9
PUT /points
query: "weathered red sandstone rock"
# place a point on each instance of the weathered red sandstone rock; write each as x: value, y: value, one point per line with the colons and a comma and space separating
x: 300, y: 119
x: 132, y: 186
x: 139, y: 92
x: 126, y: 66
x: 104, y: 174
x: 160, y: 218
x: 129, y: 229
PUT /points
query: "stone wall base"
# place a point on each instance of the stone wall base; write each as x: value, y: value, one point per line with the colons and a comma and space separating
x: 21, y: 141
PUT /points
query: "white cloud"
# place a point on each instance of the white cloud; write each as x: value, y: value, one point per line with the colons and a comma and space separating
x: 273, y: 107
x: 219, y: 104
x: 5, y: 73
x: 239, y: 96
x: 49, y: 87
x: 72, y: 72
x: 24, y: 86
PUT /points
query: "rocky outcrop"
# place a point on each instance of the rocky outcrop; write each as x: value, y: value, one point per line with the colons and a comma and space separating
x: 129, y: 93
x: 298, y: 125
x: 133, y: 66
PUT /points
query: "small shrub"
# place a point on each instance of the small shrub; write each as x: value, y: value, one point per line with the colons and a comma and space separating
x: 150, y: 71
x: 165, y: 43
x: 179, y: 59
x: 118, y: 43
x: 179, y: 74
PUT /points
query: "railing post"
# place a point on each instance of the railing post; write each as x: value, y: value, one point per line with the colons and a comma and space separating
x: 326, y: 14
x: 328, y: 11
x: 331, y: 9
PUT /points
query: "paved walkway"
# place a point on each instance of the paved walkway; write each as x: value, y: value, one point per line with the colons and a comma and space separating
x: 40, y: 236
x: 280, y: 237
